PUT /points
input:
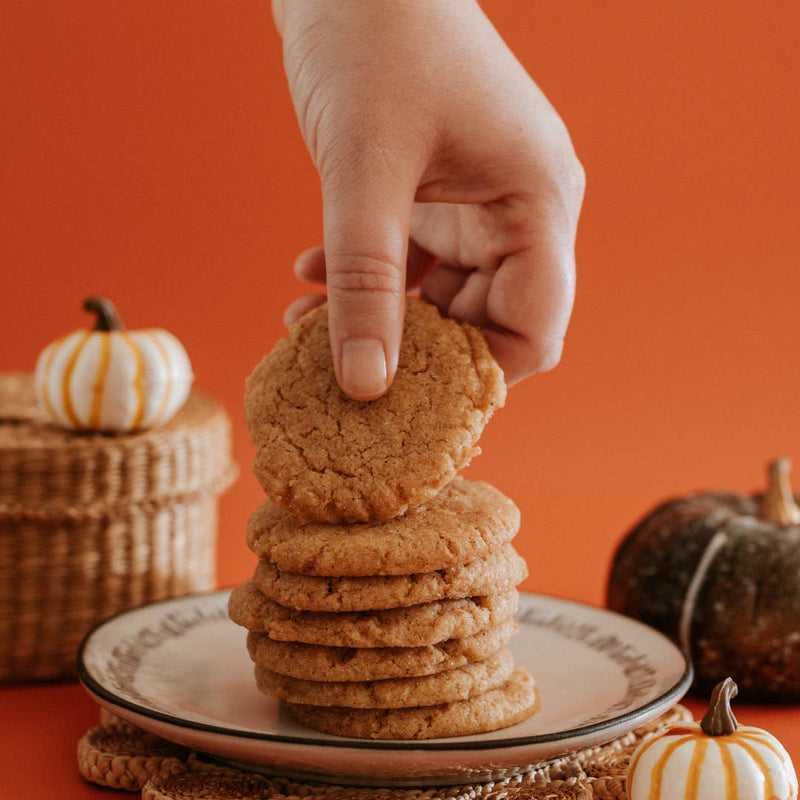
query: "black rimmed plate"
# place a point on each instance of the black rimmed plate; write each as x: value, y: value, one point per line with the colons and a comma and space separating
x: 180, y: 669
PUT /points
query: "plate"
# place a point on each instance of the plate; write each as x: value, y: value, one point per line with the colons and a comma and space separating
x: 180, y: 669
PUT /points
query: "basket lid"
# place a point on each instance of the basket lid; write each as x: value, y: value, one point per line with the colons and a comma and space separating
x: 18, y: 400
x: 47, y: 469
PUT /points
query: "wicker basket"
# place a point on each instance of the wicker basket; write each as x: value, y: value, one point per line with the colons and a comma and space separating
x: 93, y: 524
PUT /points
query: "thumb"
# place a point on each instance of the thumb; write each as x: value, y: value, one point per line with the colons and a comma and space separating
x: 366, y: 216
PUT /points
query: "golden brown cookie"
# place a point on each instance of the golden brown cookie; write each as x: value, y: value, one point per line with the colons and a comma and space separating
x: 312, y: 662
x: 413, y: 626
x: 322, y: 456
x: 506, y: 705
x: 460, y: 683
x: 465, y: 521
x: 499, y: 571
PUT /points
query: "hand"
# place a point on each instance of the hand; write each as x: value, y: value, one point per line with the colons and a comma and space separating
x: 444, y: 167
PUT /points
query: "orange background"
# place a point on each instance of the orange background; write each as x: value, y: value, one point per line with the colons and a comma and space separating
x: 150, y: 153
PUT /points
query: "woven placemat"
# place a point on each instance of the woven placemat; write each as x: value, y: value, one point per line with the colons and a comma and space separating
x: 118, y: 755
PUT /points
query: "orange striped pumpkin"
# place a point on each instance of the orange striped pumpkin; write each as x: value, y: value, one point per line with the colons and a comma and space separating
x: 110, y: 379
x: 716, y: 759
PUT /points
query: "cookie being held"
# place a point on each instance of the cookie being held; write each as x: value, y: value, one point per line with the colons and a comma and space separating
x: 324, y: 457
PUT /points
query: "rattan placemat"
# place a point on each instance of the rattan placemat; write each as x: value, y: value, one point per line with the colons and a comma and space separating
x: 118, y: 755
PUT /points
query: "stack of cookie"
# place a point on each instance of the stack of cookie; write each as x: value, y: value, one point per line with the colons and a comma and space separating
x: 383, y: 601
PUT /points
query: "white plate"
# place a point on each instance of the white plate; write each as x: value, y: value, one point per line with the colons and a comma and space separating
x: 180, y: 669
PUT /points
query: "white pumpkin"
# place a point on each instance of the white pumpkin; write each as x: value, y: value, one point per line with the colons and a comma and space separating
x: 716, y: 759
x: 110, y: 379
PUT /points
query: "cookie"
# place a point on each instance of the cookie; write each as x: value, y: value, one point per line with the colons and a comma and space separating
x: 506, y: 705
x: 460, y: 683
x: 322, y: 456
x: 499, y: 571
x: 413, y: 626
x: 465, y: 521
x: 312, y: 662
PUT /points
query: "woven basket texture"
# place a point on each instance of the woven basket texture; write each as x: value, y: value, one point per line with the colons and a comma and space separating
x: 47, y: 470
x: 92, y: 524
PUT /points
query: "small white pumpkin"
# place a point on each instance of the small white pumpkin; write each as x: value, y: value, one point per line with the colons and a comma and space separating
x: 716, y: 759
x: 110, y: 379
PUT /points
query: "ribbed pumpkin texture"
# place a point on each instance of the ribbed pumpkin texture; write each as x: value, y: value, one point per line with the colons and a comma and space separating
x: 110, y: 379
x: 716, y: 759
x: 113, y: 380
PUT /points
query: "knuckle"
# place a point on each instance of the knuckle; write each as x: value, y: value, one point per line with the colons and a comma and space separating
x: 553, y: 165
x: 568, y: 174
x: 537, y: 350
x: 568, y: 177
x: 576, y: 176
x: 543, y: 355
x: 548, y: 351
x: 364, y: 272
x: 352, y: 154
x: 548, y: 359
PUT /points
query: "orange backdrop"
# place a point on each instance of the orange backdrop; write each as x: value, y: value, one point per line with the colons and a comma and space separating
x: 150, y: 153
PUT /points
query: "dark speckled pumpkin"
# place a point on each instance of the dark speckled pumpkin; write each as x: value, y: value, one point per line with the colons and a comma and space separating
x: 720, y: 575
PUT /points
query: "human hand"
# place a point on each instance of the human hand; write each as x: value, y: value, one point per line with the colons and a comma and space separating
x: 444, y: 167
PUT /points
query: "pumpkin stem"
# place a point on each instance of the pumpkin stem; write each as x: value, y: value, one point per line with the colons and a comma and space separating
x: 777, y: 504
x: 719, y: 719
x: 107, y: 317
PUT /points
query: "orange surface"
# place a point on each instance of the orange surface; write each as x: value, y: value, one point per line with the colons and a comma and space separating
x: 150, y: 153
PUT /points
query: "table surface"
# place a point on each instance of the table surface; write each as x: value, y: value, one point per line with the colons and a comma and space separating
x: 41, y: 725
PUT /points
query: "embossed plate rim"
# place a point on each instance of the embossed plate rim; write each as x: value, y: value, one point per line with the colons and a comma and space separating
x: 627, y: 720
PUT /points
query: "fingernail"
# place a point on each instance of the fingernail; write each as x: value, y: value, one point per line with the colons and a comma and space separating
x: 364, y: 374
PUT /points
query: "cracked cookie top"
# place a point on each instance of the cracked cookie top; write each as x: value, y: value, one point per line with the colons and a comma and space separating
x: 324, y: 457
